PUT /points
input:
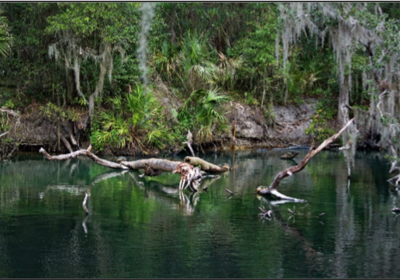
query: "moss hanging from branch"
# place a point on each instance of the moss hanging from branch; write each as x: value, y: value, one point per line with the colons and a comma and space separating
x: 352, y: 26
x: 68, y: 50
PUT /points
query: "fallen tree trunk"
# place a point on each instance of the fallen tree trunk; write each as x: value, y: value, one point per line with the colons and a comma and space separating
x: 152, y: 166
x: 272, y: 189
x: 153, y: 163
x: 206, y: 166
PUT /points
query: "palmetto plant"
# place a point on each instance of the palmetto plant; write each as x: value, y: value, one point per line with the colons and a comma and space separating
x: 5, y: 38
x: 194, y: 60
x: 165, y: 60
x: 136, y: 115
x: 141, y: 105
x: 227, y: 70
x: 206, y: 112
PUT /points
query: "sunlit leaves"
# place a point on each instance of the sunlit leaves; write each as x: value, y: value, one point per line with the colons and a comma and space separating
x: 109, y: 21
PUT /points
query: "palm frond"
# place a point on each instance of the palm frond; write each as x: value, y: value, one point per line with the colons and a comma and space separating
x: 5, y: 38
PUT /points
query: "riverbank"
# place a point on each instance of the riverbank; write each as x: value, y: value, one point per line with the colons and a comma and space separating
x: 252, y: 130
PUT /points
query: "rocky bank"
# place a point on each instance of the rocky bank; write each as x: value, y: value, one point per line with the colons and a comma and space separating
x: 287, y: 128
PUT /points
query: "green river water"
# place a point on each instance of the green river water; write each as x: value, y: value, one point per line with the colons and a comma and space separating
x: 142, y: 227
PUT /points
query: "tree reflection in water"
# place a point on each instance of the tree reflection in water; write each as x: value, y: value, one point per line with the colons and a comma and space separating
x: 177, y: 234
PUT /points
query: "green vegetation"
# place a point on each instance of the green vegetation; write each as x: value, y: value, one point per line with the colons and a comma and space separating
x: 200, y: 55
x: 128, y: 120
x: 325, y: 110
x: 5, y: 38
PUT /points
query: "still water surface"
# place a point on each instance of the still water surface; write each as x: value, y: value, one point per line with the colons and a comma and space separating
x: 142, y: 227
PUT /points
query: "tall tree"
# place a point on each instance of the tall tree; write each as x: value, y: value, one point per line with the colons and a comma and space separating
x: 351, y: 27
x: 88, y: 34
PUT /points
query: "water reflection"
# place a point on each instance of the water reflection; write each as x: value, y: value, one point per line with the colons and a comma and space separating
x: 170, y: 194
x: 84, y: 224
x: 144, y: 227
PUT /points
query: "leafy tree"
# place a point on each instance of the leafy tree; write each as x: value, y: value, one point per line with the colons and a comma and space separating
x: 94, y: 31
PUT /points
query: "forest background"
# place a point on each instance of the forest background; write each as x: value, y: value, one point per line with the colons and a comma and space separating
x: 138, y: 77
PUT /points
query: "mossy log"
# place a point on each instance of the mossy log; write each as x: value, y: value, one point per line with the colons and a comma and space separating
x: 206, y: 166
x: 153, y: 163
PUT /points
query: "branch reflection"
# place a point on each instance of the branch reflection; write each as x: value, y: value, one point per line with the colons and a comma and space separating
x: 185, y: 202
x: 312, y: 255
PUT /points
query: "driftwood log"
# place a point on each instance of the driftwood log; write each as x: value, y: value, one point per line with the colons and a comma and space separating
x: 272, y: 189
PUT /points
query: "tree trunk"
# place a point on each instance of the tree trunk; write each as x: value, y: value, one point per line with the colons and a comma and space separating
x: 343, y: 100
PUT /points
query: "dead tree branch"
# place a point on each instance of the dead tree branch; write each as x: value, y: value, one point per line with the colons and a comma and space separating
x: 189, y: 142
x: 71, y: 136
x: 87, y: 153
x: 9, y: 112
x: 1, y: 135
x: 272, y: 189
x: 66, y: 143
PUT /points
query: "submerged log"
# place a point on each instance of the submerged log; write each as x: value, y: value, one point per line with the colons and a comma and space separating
x: 272, y: 189
x: 289, y: 155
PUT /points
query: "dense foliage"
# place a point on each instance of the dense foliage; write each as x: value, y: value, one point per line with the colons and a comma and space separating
x: 200, y: 55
